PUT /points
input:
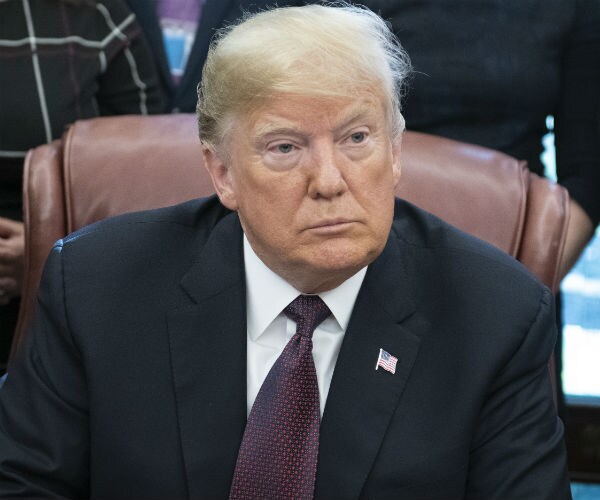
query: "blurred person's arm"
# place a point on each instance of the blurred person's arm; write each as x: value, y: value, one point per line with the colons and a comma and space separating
x: 577, y: 129
x: 130, y: 84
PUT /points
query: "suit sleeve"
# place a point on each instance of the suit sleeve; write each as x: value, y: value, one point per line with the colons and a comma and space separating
x: 518, y: 449
x: 44, y: 444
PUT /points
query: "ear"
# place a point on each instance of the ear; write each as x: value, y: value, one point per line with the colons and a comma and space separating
x: 221, y: 176
x: 396, y: 163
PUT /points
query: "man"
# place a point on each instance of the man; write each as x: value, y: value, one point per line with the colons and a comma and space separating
x: 303, y: 333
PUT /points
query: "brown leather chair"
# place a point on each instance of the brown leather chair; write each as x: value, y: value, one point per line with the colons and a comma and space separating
x: 107, y: 166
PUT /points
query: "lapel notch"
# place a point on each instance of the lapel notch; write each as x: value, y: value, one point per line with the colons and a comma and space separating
x: 362, y: 400
x: 208, y: 359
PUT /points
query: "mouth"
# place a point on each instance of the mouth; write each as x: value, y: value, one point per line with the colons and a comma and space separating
x: 331, y: 226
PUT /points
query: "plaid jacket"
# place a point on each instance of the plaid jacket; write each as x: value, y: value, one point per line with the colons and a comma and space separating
x: 61, y: 61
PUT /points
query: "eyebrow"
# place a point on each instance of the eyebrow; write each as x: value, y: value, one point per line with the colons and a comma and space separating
x: 269, y: 128
x: 360, y: 114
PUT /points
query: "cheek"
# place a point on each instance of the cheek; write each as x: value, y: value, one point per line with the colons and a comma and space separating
x: 257, y: 182
x: 270, y: 215
x: 375, y: 187
x: 376, y: 197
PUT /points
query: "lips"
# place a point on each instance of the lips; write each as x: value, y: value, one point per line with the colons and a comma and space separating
x: 331, y: 222
x: 331, y: 226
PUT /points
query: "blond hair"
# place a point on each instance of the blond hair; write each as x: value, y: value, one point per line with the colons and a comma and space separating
x: 327, y: 51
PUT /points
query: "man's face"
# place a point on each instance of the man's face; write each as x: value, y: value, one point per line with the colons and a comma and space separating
x: 313, y: 182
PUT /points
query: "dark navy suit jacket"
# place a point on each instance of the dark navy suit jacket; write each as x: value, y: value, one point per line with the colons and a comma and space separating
x: 132, y: 381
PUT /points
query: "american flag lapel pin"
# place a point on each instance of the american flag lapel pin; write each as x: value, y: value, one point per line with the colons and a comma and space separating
x: 386, y: 361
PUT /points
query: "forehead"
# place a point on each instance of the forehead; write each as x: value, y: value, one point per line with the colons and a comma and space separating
x: 314, y: 113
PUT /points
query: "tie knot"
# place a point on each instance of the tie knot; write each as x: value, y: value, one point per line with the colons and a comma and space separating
x: 308, y: 311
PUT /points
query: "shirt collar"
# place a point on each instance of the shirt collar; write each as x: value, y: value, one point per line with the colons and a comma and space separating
x: 267, y: 294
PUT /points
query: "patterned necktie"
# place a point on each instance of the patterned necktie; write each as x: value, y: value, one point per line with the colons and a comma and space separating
x: 278, y: 454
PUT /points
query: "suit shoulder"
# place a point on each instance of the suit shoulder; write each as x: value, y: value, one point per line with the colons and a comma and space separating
x: 418, y: 228
x: 196, y: 216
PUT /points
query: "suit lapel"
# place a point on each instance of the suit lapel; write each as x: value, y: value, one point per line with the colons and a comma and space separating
x: 362, y: 400
x: 208, y: 355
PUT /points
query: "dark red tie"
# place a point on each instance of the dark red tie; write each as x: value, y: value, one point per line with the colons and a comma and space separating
x: 279, y: 450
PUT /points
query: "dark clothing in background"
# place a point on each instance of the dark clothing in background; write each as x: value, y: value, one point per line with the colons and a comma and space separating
x: 89, y: 61
x: 489, y: 72
x: 215, y: 14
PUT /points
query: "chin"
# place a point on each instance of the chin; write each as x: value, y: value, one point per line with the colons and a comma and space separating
x: 339, y: 257
x: 326, y: 266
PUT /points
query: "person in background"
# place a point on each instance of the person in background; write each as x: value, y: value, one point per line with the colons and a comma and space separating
x: 300, y: 334
x: 60, y: 60
x: 179, y: 33
x: 490, y: 73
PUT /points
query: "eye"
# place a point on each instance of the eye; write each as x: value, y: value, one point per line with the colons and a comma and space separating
x: 284, y: 148
x: 358, y: 137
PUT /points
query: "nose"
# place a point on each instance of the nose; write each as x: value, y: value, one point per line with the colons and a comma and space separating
x: 326, y: 178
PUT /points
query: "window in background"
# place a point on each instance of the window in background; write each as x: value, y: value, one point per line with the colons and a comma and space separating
x: 581, y: 356
x: 581, y: 311
x: 581, y: 331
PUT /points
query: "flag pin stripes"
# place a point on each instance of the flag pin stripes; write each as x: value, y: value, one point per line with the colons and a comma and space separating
x: 386, y: 361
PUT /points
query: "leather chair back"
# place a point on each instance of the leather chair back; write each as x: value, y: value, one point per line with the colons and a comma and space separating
x: 107, y: 166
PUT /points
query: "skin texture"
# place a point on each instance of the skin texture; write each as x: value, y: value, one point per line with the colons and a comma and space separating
x: 12, y: 248
x: 312, y: 180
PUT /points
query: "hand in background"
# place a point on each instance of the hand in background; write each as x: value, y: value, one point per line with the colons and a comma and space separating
x: 12, y: 250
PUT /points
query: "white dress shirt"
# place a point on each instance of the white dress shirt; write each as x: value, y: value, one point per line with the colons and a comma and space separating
x: 269, y: 329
